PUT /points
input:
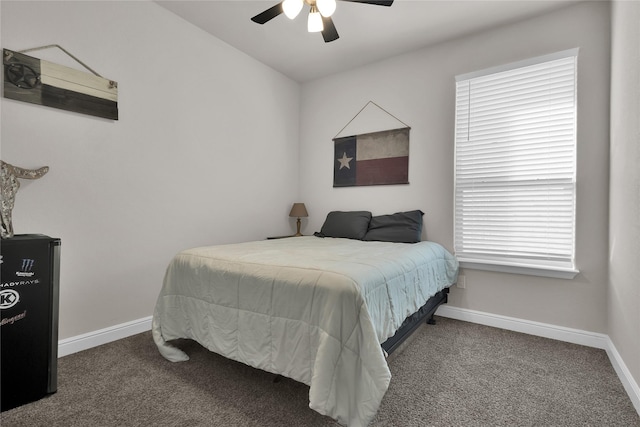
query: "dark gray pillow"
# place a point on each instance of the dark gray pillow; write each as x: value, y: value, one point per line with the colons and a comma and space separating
x: 401, y: 227
x: 349, y: 225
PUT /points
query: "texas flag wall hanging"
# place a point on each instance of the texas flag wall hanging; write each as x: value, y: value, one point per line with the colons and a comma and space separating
x: 375, y: 158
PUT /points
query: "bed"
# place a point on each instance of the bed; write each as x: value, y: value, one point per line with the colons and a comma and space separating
x: 314, y: 308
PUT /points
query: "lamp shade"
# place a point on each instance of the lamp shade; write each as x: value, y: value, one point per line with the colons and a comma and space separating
x: 326, y: 7
x: 292, y: 8
x: 314, y: 24
x: 298, y: 210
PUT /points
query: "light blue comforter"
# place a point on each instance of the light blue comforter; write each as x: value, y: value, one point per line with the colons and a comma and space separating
x: 312, y: 309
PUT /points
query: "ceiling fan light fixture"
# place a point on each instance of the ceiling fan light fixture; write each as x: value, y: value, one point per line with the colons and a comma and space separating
x: 314, y: 24
x: 319, y: 17
x: 292, y: 8
x: 326, y: 7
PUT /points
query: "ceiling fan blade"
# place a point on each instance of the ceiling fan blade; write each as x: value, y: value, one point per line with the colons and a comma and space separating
x: 374, y: 2
x: 268, y: 14
x: 329, y: 33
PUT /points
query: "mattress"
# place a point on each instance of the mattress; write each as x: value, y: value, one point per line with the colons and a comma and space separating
x: 312, y: 309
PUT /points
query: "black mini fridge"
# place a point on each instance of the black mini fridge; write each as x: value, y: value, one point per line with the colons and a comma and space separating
x: 29, y: 295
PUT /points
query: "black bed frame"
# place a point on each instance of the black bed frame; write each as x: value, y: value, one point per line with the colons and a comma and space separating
x: 412, y: 322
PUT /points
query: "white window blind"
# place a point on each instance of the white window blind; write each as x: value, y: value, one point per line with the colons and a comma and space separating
x: 515, y: 151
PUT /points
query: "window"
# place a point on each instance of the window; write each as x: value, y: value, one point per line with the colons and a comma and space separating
x: 515, y: 162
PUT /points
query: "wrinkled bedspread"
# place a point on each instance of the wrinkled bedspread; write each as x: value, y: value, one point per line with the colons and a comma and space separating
x: 314, y: 310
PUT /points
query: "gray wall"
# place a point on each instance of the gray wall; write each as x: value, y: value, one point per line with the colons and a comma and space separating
x: 418, y: 88
x: 624, y: 234
x: 196, y: 158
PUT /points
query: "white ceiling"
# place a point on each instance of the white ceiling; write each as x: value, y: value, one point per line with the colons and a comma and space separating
x: 367, y: 33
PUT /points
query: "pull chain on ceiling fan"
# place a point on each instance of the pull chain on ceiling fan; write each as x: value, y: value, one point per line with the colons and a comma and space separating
x: 320, y: 12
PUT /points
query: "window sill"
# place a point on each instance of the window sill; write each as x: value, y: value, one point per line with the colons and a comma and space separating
x: 515, y: 268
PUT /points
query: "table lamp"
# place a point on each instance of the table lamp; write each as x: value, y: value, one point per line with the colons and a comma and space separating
x: 298, y: 210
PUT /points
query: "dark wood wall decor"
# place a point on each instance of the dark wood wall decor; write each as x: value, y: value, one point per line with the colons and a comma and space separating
x: 42, y: 82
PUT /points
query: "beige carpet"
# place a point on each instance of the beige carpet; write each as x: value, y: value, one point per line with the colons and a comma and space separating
x: 451, y: 374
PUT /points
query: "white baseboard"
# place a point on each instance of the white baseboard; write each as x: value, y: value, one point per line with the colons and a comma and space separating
x: 625, y: 376
x: 103, y: 336
x: 575, y: 336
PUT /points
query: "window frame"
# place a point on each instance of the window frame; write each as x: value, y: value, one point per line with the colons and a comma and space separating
x: 563, y: 270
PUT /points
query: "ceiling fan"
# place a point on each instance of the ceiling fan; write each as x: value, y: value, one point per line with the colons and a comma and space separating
x: 319, y: 14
